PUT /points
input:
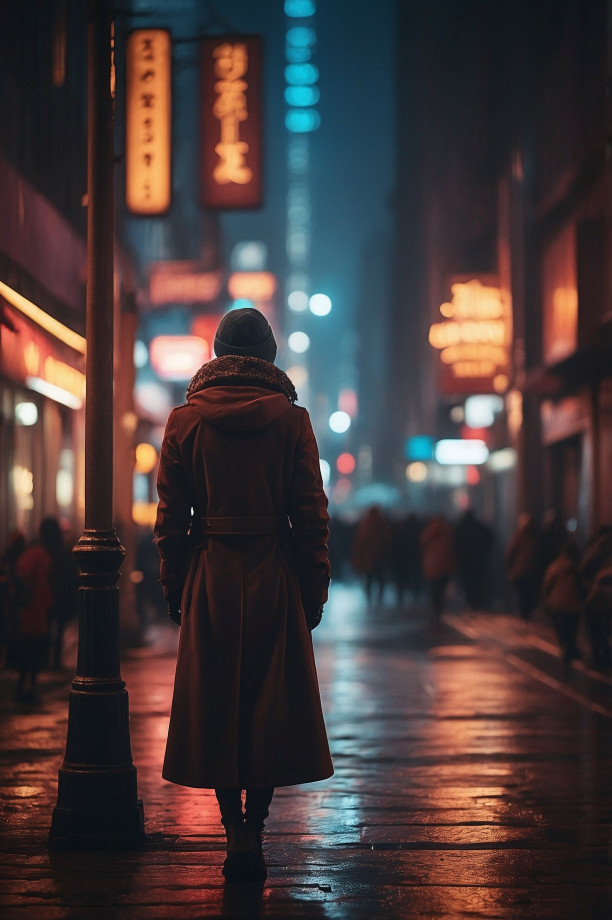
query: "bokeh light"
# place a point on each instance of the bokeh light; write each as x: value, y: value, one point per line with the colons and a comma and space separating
x: 26, y: 414
x: 345, y: 464
x: 141, y: 353
x: 417, y: 471
x: 298, y: 301
x: 298, y: 342
x: 298, y: 375
x: 146, y: 457
x: 339, y: 421
x: 320, y: 304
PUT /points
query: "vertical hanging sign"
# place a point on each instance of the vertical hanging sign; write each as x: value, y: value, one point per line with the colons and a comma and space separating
x: 147, y: 136
x: 231, y: 122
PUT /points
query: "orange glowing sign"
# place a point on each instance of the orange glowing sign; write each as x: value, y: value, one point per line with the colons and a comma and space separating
x: 231, y: 122
x: 178, y: 357
x: 474, y: 338
x: 560, y: 297
x: 182, y: 282
x: 147, y: 136
x: 27, y: 356
x: 255, y: 286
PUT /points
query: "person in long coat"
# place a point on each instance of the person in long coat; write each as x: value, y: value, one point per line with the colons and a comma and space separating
x: 439, y: 561
x: 242, y: 531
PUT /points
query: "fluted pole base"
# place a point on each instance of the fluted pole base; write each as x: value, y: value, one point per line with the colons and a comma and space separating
x: 97, y: 803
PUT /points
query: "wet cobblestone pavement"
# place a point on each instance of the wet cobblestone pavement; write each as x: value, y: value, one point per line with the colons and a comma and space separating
x: 473, y: 780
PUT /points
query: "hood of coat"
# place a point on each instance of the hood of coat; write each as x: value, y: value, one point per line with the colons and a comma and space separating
x: 240, y: 393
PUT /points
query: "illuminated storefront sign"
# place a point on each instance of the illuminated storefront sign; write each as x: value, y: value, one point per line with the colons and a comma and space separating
x: 231, y: 122
x: 28, y: 357
x: 182, y: 282
x: 474, y: 338
x: 148, y: 103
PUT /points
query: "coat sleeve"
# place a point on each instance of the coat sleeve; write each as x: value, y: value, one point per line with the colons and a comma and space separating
x: 173, y: 512
x: 309, y: 519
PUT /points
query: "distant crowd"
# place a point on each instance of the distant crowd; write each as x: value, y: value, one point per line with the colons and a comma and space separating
x: 416, y: 558
x: 419, y: 557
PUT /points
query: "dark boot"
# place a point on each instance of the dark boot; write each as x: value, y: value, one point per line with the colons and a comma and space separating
x: 232, y: 819
x: 257, y: 804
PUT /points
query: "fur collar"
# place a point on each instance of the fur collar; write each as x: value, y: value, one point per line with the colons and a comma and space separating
x: 241, y: 369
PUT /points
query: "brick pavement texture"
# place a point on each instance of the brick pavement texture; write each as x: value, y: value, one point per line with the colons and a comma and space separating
x: 466, y: 787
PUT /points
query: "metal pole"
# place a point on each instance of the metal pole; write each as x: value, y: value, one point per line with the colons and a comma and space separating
x: 97, y: 803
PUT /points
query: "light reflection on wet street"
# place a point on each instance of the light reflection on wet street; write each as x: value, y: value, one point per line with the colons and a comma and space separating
x: 465, y: 786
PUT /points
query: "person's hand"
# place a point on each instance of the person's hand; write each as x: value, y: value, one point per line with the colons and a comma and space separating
x: 173, y: 602
x: 314, y: 616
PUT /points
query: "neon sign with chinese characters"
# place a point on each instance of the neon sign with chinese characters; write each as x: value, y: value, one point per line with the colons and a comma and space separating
x: 147, y: 153
x: 231, y: 122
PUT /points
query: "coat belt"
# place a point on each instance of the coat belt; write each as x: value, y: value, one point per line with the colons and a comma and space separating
x: 272, y: 524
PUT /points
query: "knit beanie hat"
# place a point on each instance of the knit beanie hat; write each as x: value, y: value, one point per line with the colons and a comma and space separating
x: 245, y: 331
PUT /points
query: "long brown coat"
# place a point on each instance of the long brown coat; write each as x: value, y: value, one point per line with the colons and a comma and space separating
x: 246, y: 710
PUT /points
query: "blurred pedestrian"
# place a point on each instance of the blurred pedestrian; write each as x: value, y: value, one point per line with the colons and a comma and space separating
x: 405, y: 557
x: 64, y: 580
x: 370, y: 553
x: 553, y: 536
x: 10, y: 597
x: 439, y: 561
x: 562, y: 599
x: 34, y: 573
x: 524, y: 564
x: 341, y: 535
x: 474, y: 541
x: 242, y: 530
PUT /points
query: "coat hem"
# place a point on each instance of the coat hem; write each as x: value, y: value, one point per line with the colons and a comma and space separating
x: 259, y: 784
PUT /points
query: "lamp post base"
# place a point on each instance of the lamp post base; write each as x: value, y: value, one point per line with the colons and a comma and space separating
x: 97, y: 801
x: 108, y: 829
